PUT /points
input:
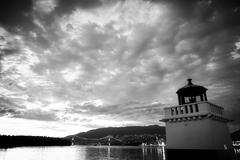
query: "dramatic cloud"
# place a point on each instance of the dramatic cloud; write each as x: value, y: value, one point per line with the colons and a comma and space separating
x: 7, y: 107
x: 99, y: 63
x: 45, y: 6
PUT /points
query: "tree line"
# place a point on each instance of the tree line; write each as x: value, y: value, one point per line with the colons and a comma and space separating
x: 7, y: 141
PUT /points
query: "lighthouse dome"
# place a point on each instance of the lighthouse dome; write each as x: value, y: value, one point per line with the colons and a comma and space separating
x: 191, y: 89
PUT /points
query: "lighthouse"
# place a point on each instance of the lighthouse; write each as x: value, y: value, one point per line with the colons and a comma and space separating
x: 196, y: 128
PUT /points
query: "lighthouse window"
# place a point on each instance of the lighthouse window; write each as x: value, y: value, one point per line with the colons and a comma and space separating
x: 196, y: 107
x: 190, y: 99
x: 186, y: 99
x: 198, y: 98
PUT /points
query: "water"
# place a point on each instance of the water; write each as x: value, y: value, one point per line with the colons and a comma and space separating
x: 82, y: 153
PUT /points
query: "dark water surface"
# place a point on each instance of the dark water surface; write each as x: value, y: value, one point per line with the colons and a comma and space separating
x: 82, y: 153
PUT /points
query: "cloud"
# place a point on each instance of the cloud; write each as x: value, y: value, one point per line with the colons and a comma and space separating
x: 93, y: 62
x: 45, y: 6
x: 235, y: 53
x: 37, y: 114
x: 68, y: 6
x: 134, y: 112
x: 8, y: 108
x: 8, y: 43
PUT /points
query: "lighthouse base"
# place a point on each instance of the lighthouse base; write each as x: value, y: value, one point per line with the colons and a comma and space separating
x: 195, y: 154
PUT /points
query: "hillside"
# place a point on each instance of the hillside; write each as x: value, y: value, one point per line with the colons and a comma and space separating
x: 132, y: 135
x: 121, y: 131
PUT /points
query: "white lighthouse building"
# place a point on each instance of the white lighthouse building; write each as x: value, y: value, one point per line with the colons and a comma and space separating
x: 196, y: 128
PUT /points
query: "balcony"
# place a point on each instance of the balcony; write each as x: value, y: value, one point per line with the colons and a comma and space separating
x: 193, y: 111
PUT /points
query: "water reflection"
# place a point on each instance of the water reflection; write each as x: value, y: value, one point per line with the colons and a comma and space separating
x: 153, y: 153
x: 128, y: 153
x: 41, y: 153
x: 83, y: 153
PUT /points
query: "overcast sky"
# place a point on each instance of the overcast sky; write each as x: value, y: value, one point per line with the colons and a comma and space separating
x: 72, y: 65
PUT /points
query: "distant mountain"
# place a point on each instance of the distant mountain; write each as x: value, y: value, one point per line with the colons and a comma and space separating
x: 132, y: 135
x: 236, y: 135
x: 121, y: 131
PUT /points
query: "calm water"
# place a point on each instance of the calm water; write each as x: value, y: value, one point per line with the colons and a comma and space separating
x: 82, y: 153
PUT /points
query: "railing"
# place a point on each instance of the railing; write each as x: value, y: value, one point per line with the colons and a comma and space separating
x: 184, y: 109
x: 204, y: 107
x: 216, y: 109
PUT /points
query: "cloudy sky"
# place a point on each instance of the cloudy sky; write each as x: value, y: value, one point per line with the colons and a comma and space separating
x: 72, y: 65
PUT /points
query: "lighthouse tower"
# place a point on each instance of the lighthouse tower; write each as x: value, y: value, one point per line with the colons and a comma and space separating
x: 196, y: 128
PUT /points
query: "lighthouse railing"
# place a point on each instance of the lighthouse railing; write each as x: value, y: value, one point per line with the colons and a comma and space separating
x: 193, y: 109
